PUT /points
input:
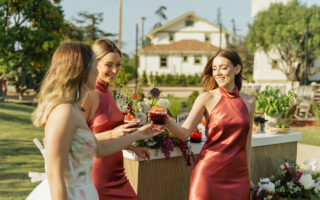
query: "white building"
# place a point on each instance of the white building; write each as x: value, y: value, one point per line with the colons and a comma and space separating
x: 265, y: 67
x: 182, y: 46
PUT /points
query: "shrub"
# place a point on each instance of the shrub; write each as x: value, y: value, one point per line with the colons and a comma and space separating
x: 192, y: 98
x: 175, y: 108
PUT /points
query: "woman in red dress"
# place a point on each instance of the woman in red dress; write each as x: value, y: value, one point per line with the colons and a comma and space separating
x: 103, y: 115
x: 221, y: 170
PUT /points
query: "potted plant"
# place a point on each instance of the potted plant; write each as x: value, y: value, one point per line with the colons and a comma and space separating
x: 273, y: 104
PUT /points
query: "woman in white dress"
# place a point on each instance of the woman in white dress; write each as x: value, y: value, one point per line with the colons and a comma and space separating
x: 70, y: 146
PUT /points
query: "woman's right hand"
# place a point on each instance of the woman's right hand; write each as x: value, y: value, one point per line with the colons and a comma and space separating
x: 149, y: 130
x: 122, y: 130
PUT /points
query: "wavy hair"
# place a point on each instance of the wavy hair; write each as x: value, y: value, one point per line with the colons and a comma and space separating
x: 102, y: 47
x: 65, y: 79
x: 208, y: 81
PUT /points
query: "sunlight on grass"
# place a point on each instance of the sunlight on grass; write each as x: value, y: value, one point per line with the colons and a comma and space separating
x: 18, y: 154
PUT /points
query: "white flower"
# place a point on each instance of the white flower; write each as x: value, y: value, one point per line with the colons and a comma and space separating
x: 266, y: 184
x: 164, y: 103
x: 307, y: 181
x: 143, y: 107
x: 312, y: 164
x: 151, y: 142
x: 317, y: 186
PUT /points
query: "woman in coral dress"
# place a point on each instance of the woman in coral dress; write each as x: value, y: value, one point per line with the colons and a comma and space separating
x: 221, y: 170
x: 102, y: 114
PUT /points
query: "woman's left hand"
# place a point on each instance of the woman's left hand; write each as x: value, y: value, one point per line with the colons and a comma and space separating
x: 142, y: 152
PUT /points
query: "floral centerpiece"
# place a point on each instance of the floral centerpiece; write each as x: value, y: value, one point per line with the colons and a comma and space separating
x: 291, y: 183
x: 136, y: 103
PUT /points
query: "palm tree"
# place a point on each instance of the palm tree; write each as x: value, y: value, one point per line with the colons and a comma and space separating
x: 162, y: 16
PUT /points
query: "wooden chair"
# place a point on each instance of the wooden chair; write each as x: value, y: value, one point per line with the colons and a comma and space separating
x: 306, y: 95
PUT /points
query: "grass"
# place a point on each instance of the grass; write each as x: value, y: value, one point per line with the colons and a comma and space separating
x: 18, y: 154
x: 310, y: 135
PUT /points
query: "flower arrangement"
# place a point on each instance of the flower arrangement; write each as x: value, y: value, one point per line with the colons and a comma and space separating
x: 291, y: 183
x: 136, y: 103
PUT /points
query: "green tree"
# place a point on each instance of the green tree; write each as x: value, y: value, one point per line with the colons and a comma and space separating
x: 30, y: 32
x: 282, y: 29
x: 89, y: 23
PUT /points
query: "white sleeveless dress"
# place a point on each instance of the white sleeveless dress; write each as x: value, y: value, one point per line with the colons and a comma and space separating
x: 77, y: 176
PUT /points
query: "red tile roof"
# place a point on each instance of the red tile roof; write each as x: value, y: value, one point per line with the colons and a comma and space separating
x: 181, y: 46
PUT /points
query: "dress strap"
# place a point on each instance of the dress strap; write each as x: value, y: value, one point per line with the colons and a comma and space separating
x: 39, y: 176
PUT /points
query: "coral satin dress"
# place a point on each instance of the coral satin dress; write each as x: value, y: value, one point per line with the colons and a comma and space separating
x: 221, y: 171
x: 108, y: 174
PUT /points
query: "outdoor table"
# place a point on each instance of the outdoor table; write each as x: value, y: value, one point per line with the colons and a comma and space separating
x: 170, y: 179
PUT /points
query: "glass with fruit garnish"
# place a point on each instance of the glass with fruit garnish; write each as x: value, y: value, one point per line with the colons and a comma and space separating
x: 158, y: 115
x: 130, y: 119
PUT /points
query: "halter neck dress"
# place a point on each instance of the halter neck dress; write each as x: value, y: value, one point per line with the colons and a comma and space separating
x: 108, y: 174
x: 221, y: 170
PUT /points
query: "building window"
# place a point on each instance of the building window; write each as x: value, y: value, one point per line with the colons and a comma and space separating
x: 185, y: 58
x: 275, y: 64
x: 197, y: 59
x: 189, y: 22
x: 171, y: 36
x: 163, y: 61
x: 207, y: 37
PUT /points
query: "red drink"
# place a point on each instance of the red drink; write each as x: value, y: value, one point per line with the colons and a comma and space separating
x: 196, y: 136
x: 158, y: 115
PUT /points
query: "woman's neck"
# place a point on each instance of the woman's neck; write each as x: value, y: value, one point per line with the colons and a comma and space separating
x: 230, y: 88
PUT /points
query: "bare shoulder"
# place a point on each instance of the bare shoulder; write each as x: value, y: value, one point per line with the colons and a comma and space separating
x: 91, y: 95
x: 62, y: 114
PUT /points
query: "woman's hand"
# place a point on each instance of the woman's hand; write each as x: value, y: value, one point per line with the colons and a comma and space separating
x: 148, y: 131
x: 142, y: 152
x: 122, y: 130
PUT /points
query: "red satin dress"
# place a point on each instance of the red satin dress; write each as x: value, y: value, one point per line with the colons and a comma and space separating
x: 108, y: 174
x: 221, y: 171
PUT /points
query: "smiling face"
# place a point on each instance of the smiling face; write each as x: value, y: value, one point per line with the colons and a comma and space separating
x: 224, y: 72
x: 108, y: 67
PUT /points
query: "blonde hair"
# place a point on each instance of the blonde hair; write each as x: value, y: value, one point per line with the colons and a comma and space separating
x: 64, y: 80
x: 102, y: 47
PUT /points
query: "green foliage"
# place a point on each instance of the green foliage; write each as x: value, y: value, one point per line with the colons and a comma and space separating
x: 272, y: 103
x: 282, y: 29
x: 175, y: 108
x: 169, y: 79
x: 89, y: 23
x: 316, y: 111
x: 144, y: 78
x: 30, y: 32
x: 192, y: 98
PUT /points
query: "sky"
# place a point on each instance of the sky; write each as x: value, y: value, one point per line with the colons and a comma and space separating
x: 134, y: 10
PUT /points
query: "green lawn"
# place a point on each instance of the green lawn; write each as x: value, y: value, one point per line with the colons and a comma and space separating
x: 18, y: 154
x: 310, y: 135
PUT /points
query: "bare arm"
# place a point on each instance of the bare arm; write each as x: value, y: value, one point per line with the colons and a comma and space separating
x: 59, y: 132
x: 196, y: 114
x: 111, y: 146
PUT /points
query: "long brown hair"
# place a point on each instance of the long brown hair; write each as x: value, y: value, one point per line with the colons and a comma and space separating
x: 65, y: 80
x: 208, y: 81
x: 102, y: 47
